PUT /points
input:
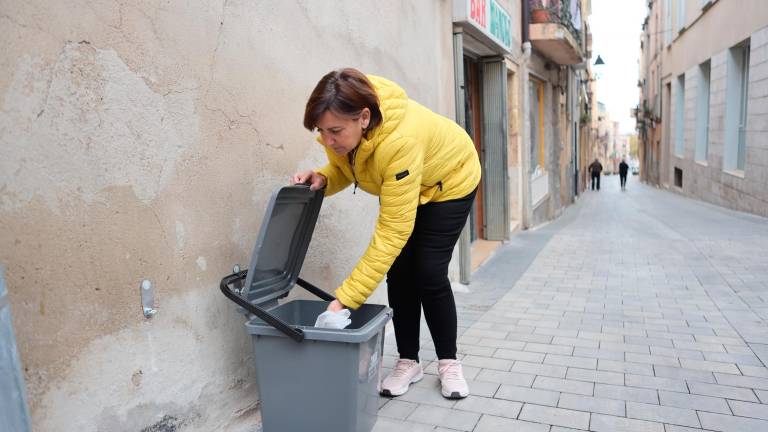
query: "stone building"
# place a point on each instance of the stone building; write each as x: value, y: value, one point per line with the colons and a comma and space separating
x: 703, y: 111
x: 559, y: 96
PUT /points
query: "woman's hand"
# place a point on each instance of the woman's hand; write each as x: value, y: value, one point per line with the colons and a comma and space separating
x: 335, y: 306
x: 314, y: 180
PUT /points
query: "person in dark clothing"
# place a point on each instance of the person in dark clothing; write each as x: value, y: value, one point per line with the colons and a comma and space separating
x: 595, y: 168
x: 623, y: 169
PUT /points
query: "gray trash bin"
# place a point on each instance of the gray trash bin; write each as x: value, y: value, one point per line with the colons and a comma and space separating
x: 309, y: 379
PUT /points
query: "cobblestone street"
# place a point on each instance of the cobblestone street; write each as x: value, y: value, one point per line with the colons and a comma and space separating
x: 634, y: 311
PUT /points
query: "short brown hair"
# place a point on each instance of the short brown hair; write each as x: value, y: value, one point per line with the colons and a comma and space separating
x: 344, y: 92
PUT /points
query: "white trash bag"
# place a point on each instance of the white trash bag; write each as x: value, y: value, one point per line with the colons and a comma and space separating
x: 334, y: 320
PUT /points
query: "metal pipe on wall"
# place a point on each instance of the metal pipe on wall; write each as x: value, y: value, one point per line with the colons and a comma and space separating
x: 465, y: 247
x: 525, y: 160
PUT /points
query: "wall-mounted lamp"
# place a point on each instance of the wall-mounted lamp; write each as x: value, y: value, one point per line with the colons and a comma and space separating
x: 599, y: 61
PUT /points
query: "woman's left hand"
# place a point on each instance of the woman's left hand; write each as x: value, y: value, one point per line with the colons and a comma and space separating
x: 335, y: 306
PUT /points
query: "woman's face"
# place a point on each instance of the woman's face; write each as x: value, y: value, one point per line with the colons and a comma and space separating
x: 342, y: 134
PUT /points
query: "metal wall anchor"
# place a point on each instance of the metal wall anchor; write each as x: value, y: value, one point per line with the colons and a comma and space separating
x: 239, y: 284
x: 147, y: 299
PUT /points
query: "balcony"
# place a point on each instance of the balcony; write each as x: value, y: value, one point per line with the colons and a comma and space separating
x: 555, y: 30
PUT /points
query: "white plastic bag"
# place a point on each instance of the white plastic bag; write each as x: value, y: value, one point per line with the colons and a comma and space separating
x: 334, y: 320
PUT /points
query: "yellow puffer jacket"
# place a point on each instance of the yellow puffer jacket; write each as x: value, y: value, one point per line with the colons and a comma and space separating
x: 413, y: 157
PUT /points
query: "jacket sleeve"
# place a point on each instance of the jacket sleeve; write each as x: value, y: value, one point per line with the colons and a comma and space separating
x: 335, y: 178
x: 400, y: 189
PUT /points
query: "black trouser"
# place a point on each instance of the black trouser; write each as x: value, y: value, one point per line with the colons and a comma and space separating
x: 623, y: 178
x: 419, y: 278
x: 595, y: 180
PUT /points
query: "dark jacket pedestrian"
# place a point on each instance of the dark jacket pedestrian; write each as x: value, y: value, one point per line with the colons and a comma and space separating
x: 623, y: 169
x: 595, y: 168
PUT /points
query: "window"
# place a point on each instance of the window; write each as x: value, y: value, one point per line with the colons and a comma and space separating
x: 680, y: 14
x: 658, y: 90
x: 737, y: 94
x: 667, y: 22
x: 678, y: 177
x: 679, y: 123
x: 702, y: 112
x: 743, y: 100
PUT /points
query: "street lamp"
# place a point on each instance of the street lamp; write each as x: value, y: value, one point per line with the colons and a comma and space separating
x: 599, y: 61
x: 599, y: 65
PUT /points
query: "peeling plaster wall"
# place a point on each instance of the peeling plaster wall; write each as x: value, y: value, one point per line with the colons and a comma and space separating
x: 142, y: 139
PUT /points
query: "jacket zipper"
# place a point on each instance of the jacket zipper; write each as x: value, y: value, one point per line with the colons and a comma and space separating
x: 351, y: 158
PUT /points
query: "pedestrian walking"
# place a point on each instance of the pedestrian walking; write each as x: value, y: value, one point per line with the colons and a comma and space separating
x: 425, y: 170
x: 595, y: 168
x: 623, y: 170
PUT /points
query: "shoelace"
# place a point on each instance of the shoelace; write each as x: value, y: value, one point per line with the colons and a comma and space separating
x: 452, y: 371
x: 401, y: 368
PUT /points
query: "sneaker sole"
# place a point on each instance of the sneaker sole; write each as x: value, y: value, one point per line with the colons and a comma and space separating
x: 402, y: 391
x: 454, y: 395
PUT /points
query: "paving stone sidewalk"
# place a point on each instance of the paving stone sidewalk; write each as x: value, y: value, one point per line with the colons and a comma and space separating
x: 634, y: 311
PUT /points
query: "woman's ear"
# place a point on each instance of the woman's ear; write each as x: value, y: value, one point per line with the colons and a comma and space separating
x: 365, y: 118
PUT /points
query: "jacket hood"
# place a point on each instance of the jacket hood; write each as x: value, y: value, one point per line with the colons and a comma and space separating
x: 393, y: 102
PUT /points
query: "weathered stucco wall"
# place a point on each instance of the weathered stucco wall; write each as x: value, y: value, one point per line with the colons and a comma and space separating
x: 141, y: 139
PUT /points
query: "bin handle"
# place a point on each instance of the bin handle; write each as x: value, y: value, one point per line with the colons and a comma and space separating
x: 314, y: 290
x: 292, y: 332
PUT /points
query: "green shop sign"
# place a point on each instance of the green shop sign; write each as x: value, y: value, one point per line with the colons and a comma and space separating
x: 500, y: 24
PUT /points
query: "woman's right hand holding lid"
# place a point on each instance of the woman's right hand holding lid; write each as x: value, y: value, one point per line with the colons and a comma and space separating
x: 314, y: 180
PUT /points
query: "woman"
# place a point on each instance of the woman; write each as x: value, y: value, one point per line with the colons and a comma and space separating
x: 425, y: 170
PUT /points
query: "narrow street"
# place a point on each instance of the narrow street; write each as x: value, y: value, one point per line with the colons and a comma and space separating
x: 634, y: 311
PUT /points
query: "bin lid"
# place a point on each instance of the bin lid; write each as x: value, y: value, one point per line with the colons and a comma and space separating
x: 282, y: 243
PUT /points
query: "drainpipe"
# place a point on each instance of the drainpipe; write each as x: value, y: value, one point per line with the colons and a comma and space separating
x: 525, y: 21
x: 465, y: 246
x: 525, y: 160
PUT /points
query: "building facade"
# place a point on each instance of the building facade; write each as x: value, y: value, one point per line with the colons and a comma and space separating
x: 605, y: 139
x: 703, y: 111
x: 558, y: 100
x: 486, y: 53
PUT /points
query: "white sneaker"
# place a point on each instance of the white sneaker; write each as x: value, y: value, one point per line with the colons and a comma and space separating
x: 454, y: 386
x: 403, y: 375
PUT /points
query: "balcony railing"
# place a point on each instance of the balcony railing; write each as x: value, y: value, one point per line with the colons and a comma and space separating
x: 564, y: 12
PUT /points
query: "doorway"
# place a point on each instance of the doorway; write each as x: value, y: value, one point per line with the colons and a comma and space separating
x: 473, y: 122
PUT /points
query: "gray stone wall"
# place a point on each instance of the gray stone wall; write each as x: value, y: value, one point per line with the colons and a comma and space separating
x: 708, y: 180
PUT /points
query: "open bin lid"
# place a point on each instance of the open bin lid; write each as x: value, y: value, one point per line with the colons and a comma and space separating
x: 282, y: 243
